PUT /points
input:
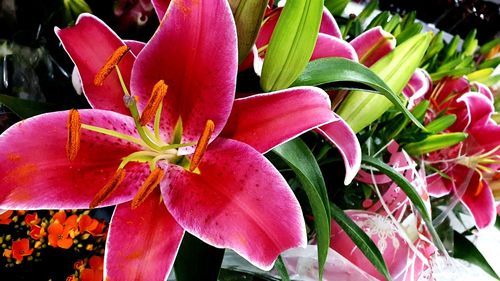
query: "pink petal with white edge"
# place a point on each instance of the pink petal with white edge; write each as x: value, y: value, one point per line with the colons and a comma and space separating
x: 438, y: 186
x: 195, y: 52
x: 340, y: 134
x: 35, y: 173
x: 420, y: 83
x: 265, y: 121
x: 330, y: 47
x: 238, y: 201
x: 472, y: 110
x: 135, y: 46
x: 161, y: 7
x: 90, y: 43
x: 483, y: 139
x: 373, y: 44
x: 483, y: 89
x: 329, y: 25
x: 477, y: 196
x: 142, y: 242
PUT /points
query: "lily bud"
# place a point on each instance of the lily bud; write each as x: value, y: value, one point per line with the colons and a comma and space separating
x: 360, y: 108
x: 441, y: 123
x: 434, y: 142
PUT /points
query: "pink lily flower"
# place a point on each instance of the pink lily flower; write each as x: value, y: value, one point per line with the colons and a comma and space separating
x: 160, y: 157
x: 470, y: 163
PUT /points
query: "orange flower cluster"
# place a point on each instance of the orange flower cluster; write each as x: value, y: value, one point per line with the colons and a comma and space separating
x: 59, y: 229
x: 92, y: 273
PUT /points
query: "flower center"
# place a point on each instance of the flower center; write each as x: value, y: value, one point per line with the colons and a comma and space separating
x: 154, y: 148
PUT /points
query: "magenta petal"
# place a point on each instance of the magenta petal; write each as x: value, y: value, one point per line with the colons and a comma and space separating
x: 135, y: 46
x: 342, y: 136
x: 483, y: 139
x: 143, y: 242
x: 472, y: 109
x: 328, y: 46
x: 484, y: 90
x: 36, y: 174
x: 238, y: 201
x: 265, y: 121
x: 438, y: 186
x: 417, y: 87
x: 161, y: 7
x: 195, y: 52
x: 329, y: 25
x: 90, y: 43
x: 373, y: 44
x: 447, y: 90
x: 477, y: 196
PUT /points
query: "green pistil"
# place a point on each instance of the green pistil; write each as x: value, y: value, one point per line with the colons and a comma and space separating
x: 139, y: 156
x: 157, y: 121
x: 112, y: 134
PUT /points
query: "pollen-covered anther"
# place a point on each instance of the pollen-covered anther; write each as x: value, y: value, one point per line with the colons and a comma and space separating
x: 74, y: 126
x: 202, y: 145
x: 110, y: 64
x: 110, y: 186
x: 147, y: 187
x: 479, y: 188
x: 157, y: 95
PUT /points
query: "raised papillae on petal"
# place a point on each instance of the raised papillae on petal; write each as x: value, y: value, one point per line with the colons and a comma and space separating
x: 108, y: 188
x: 91, y: 44
x: 74, y: 126
x: 238, y: 201
x: 194, y: 51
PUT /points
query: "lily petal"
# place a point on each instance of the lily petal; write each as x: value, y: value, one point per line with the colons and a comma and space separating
x: 343, y: 137
x: 477, y: 197
x: 329, y: 25
x: 373, y: 44
x: 238, y: 201
x: 483, y: 139
x: 472, y: 110
x: 195, y: 52
x: 447, y: 90
x: 35, y: 173
x: 438, y: 186
x: 142, y: 242
x: 420, y: 83
x: 265, y: 121
x: 79, y: 42
x: 328, y: 46
x: 161, y: 7
x: 483, y: 89
x: 135, y: 46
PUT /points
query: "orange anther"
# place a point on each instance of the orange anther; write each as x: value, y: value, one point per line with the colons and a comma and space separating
x: 202, y: 145
x: 147, y: 187
x: 110, y: 64
x: 112, y: 184
x: 73, y: 143
x: 157, y: 95
x: 480, y: 187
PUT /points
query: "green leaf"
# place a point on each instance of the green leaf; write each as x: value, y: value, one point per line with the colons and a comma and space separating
x: 393, y: 23
x: 466, y: 250
x: 26, y: 108
x: 367, y: 11
x: 451, y: 48
x: 331, y: 70
x: 434, y: 142
x: 380, y: 19
x: 281, y: 267
x: 292, y: 43
x: 409, y: 32
x: 408, y: 189
x: 491, y: 63
x: 197, y: 260
x: 361, y: 239
x: 300, y: 158
x: 336, y: 7
x: 248, y: 15
x: 489, y: 45
x: 441, y: 123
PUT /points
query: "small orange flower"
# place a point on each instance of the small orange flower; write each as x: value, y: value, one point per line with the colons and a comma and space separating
x: 72, y: 277
x: 79, y: 265
x: 99, y: 230
x: 95, y: 272
x: 7, y: 253
x: 21, y: 248
x: 59, y: 216
x: 5, y: 217
x: 58, y: 237
x: 87, y: 224
x: 37, y: 232
x: 32, y: 219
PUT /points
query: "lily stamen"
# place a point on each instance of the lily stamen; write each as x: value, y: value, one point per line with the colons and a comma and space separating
x: 479, y: 188
x: 157, y: 95
x: 111, y: 186
x: 202, y: 145
x: 110, y: 64
x: 147, y: 187
x: 74, y: 126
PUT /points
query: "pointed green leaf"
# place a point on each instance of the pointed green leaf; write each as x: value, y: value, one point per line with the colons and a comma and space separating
x: 336, y: 7
x: 380, y: 19
x: 300, y: 158
x: 281, y: 267
x: 26, y: 108
x: 440, y: 124
x: 331, y: 70
x: 393, y: 23
x: 466, y: 250
x: 367, y: 11
x: 361, y: 240
x: 412, y: 194
x: 489, y: 45
x: 292, y: 43
x: 248, y: 15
